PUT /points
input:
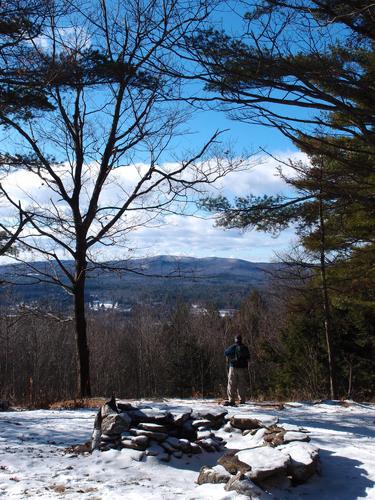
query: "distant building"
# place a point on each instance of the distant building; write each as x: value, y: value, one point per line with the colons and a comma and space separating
x: 198, y: 310
x: 97, y: 305
x: 227, y: 313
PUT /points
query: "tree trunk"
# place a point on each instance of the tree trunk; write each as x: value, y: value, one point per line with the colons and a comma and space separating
x: 83, y: 354
x: 326, y: 306
x: 350, y: 378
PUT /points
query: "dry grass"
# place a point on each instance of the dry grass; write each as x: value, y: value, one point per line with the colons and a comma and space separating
x: 73, y: 404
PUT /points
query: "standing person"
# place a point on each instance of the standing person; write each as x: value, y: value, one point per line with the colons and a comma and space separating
x: 238, y: 357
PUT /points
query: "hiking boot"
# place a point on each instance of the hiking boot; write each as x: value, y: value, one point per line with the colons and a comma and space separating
x: 229, y: 403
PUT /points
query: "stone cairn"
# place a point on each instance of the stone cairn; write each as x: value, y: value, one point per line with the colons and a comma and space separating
x: 272, y: 455
x: 154, y: 432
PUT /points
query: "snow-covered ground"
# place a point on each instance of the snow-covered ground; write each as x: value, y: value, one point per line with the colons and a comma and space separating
x: 33, y: 463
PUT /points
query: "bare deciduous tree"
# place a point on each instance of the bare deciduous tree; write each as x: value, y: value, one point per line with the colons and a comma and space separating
x: 104, y: 156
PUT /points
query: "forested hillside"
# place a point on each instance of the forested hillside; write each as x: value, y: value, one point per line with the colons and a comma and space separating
x: 162, y: 279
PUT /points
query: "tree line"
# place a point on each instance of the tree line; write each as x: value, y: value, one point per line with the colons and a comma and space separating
x: 175, y: 352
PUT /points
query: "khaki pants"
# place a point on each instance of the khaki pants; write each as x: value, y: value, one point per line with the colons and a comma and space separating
x: 237, y: 382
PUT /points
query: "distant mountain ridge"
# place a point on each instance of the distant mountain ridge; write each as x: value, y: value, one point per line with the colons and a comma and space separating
x: 163, y: 278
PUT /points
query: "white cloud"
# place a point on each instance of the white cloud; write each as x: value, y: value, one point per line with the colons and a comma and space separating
x: 197, y: 237
x: 262, y: 178
x: 177, y: 234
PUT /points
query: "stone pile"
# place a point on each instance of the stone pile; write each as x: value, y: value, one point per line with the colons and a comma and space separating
x: 155, y: 432
x: 273, y: 455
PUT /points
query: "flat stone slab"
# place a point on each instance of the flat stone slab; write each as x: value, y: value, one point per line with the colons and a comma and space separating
x: 150, y: 426
x: 204, y: 434
x: 264, y: 462
x: 201, y: 423
x: 157, y: 436
x: 248, y: 422
x: 150, y: 415
x: 128, y: 444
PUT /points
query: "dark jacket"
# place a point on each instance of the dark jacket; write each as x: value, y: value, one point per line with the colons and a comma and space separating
x: 238, y: 355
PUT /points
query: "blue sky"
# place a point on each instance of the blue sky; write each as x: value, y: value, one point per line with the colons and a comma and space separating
x: 197, y: 235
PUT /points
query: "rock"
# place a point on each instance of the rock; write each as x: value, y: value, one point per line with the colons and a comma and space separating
x: 174, y: 442
x: 180, y: 418
x: 263, y: 462
x: 131, y: 445
x: 109, y: 438
x: 79, y: 449
x: 232, y: 464
x: 204, y: 434
x: 157, y: 436
x: 141, y: 440
x: 268, y: 421
x: 154, y: 450
x: 215, y: 415
x: 304, y: 460
x: 210, y: 414
x: 202, y: 423
x: 214, y: 475
x: 195, y: 448
x: 149, y: 426
x: 115, y: 423
x: 244, y: 486
x: 177, y: 454
x: 95, y: 439
x: 150, y: 415
x: 245, y: 422
x: 209, y: 444
x: 112, y: 441
x: 227, y: 427
x: 295, y: 436
x: 274, y: 436
x: 123, y: 406
x: 188, y: 430
x: 279, y: 481
x: 167, y: 447
x: 256, y: 439
x: 185, y: 445
x: 109, y: 408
